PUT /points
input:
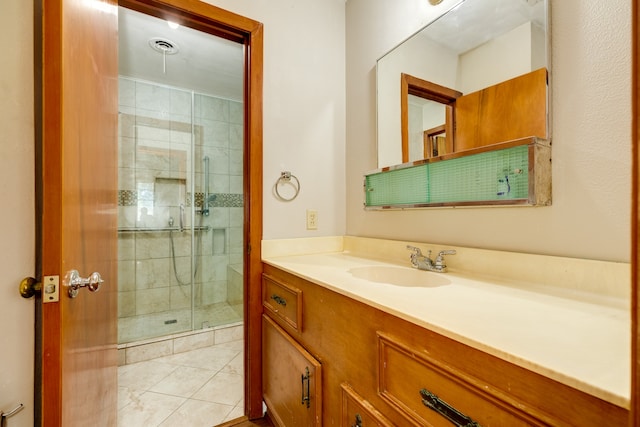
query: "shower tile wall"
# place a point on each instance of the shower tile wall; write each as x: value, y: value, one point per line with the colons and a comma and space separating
x: 156, y: 175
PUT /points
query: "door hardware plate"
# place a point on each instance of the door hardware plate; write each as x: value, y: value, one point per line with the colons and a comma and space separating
x: 50, y: 289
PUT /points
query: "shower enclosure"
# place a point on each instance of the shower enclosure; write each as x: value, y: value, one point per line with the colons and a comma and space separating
x: 180, y: 224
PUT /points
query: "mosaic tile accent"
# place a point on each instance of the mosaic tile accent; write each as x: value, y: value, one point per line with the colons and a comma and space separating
x: 227, y: 200
x: 198, y: 201
x: 223, y: 200
x: 127, y: 198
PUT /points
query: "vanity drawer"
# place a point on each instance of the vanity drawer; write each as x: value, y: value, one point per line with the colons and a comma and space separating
x: 357, y: 412
x: 282, y: 301
x: 430, y: 393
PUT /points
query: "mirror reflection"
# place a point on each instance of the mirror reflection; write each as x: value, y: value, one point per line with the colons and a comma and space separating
x: 476, y: 45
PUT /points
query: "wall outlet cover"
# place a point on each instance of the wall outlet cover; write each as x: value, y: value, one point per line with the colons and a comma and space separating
x: 312, y: 219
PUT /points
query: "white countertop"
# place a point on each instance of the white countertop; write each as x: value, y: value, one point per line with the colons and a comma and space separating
x: 577, y: 338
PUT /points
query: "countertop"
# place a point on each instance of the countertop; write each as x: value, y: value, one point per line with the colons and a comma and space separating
x: 578, y: 338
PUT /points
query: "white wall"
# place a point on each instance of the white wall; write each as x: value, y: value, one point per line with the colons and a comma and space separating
x: 591, y: 71
x: 16, y: 216
x: 502, y: 58
x: 304, y: 110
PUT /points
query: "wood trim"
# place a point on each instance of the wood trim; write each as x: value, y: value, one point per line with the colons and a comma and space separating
x: 200, y: 16
x: 220, y: 22
x: 51, y: 89
x: 410, y: 85
x: 428, y: 138
x: 470, y: 152
x: 253, y: 225
x: 634, y: 418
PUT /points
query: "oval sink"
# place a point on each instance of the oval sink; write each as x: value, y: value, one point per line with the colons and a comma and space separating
x: 399, y: 276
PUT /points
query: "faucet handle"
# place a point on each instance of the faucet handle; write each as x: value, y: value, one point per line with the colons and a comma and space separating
x: 416, y: 251
x: 440, y: 258
x: 447, y: 252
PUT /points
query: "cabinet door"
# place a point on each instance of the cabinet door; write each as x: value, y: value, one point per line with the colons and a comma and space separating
x: 291, y: 379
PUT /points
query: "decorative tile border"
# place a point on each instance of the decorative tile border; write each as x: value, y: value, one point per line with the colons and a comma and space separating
x: 228, y: 200
x: 223, y: 200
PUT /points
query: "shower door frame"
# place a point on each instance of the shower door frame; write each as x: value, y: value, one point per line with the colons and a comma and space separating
x: 219, y: 22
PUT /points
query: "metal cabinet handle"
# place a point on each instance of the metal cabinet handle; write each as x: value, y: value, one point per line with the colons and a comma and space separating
x: 279, y: 300
x: 358, y: 421
x: 433, y: 402
x: 306, y: 398
x: 74, y: 282
x: 4, y: 416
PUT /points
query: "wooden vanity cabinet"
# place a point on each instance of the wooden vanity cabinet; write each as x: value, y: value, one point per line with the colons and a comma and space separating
x: 386, y: 362
x: 291, y: 379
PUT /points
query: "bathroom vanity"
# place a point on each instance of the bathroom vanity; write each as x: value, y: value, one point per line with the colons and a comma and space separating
x: 356, y: 341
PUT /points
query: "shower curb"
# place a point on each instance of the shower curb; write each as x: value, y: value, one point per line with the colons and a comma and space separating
x: 140, y: 351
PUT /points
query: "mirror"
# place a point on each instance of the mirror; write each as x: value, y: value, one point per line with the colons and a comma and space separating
x: 474, y: 45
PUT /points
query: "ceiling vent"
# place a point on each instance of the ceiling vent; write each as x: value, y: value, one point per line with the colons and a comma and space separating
x: 163, y: 45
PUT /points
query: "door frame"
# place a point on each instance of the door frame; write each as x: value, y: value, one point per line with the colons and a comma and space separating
x: 634, y: 418
x: 214, y: 20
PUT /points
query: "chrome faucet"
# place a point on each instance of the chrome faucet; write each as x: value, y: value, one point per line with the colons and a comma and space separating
x: 422, y: 262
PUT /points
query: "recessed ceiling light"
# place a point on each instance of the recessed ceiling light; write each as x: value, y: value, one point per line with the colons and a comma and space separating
x: 435, y: 2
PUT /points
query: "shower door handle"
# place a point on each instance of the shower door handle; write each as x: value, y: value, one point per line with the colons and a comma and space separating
x: 74, y: 282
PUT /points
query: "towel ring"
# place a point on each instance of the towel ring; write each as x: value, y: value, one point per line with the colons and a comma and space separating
x: 285, y: 177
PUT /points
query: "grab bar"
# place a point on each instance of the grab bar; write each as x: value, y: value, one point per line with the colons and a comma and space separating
x: 159, y: 229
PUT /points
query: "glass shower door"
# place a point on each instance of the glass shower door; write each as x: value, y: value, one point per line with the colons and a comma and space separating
x: 218, y: 181
x: 180, y: 211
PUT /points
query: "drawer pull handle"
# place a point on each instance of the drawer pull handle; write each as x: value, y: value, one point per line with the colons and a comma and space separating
x: 358, y: 421
x: 433, y: 402
x: 305, y: 389
x: 279, y: 300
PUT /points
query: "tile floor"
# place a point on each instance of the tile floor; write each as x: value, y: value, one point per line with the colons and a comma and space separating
x: 202, y: 387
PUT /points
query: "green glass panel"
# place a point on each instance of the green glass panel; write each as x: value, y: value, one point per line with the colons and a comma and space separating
x: 490, y: 176
x: 397, y: 187
x: 494, y: 175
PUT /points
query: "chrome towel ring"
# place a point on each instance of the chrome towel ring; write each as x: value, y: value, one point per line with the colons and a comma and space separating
x: 285, y: 178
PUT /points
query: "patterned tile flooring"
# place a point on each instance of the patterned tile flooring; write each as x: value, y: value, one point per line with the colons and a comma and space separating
x: 202, y: 387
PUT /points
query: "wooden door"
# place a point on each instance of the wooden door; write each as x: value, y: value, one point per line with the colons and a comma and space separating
x: 292, y: 379
x: 78, y: 89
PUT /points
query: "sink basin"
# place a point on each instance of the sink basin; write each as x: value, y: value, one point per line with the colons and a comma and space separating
x: 399, y: 276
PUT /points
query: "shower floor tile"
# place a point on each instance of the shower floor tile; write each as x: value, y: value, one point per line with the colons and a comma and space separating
x: 202, y: 387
